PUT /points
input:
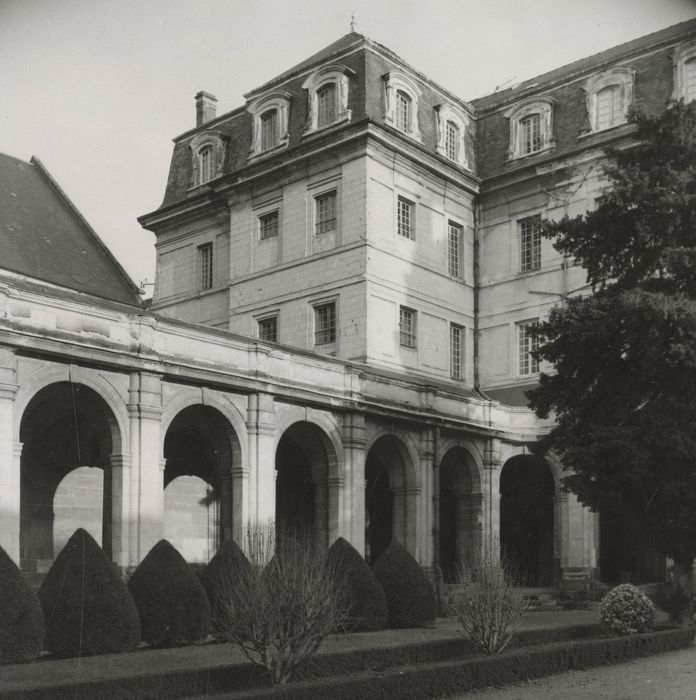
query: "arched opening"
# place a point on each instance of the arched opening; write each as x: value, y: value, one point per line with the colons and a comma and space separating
x: 199, y: 453
x: 68, y: 434
x: 527, y: 491
x: 459, y: 526
x: 304, y: 460
x: 389, y: 512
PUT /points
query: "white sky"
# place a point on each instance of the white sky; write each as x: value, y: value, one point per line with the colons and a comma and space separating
x: 96, y: 89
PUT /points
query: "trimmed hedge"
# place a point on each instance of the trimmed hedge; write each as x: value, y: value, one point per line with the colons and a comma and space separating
x: 87, y: 607
x: 21, y: 617
x: 172, y: 603
x: 222, y: 571
x: 411, y: 600
x: 627, y: 610
x: 364, y: 598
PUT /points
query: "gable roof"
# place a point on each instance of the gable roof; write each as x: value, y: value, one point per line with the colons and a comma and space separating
x: 44, y: 236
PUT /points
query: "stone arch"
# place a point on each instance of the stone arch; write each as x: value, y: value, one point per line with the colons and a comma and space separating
x: 391, y: 492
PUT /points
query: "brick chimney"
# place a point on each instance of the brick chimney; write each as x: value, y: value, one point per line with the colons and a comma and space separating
x: 206, y: 105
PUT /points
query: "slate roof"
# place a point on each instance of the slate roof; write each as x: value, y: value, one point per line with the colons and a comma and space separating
x: 511, y: 395
x: 44, y: 236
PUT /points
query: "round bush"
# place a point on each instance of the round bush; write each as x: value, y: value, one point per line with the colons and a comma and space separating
x: 222, y: 573
x: 410, y: 597
x: 627, y: 610
x: 86, y: 605
x: 21, y: 617
x: 172, y: 603
x: 364, y: 597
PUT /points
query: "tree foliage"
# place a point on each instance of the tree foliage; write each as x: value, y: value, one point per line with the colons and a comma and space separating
x: 624, y: 388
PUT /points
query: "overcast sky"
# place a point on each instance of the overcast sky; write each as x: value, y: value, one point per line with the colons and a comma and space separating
x: 97, y: 89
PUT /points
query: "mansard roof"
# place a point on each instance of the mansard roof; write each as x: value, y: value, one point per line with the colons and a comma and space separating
x: 585, y: 65
x: 44, y: 236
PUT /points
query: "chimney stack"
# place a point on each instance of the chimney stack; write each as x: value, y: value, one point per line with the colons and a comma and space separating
x: 206, y: 105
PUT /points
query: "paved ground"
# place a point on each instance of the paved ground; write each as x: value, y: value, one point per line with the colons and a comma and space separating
x: 669, y: 676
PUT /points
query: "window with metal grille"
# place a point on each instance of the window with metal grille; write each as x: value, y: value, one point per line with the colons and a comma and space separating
x: 325, y: 323
x: 609, y: 107
x: 269, y: 129
x: 456, y: 351
x: 530, y: 134
x: 325, y: 212
x: 530, y: 243
x: 405, y: 220
x: 268, y: 328
x: 205, y: 266
x: 403, y: 112
x: 527, y: 344
x: 268, y: 225
x: 451, y: 140
x: 690, y: 80
x: 205, y: 164
x: 454, y: 238
x: 407, y: 327
x: 326, y: 105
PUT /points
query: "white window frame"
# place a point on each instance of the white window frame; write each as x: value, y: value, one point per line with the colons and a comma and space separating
x: 318, y: 197
x: 621, y: 76
x: 526, y: 364
x: 330, y: 344
x: 447, y: 112
x: 544, y: 108
x: 199, y: 144
x: 278, y: 101
x: 410, y: 233
x: 408, y: 327
x: 338, y: 75
x: 456, y: 347
x: 261, y: 217
x: 455, y: 244
x: 205, y: 266
x: 397, y: 81
x: 683, y: 55
x: 275, y: 316
x: 529, y: 243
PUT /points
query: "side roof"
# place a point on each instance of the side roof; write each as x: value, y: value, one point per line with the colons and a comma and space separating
x: 44, y: 236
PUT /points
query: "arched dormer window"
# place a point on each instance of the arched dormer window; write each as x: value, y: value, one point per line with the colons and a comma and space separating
x: 208, y: 154
x: 685, y: 73
x: 608, y: 97
x: 401, y: 97
x: 270, y: 122
x: 531, y: 128
x: 327, y: 97
x: 452, y: 123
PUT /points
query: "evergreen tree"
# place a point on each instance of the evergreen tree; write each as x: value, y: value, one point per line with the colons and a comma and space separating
x: 624, y: 387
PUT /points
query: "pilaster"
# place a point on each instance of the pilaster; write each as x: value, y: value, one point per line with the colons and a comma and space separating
x: 261, y: 427
x: 10, y: 452
x: 352, y: 508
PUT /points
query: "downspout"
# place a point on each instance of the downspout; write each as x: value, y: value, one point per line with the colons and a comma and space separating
x: 477, y: 288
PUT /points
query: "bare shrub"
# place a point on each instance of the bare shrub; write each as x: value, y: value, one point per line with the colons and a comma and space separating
x: 489, y: 608
x: 280, y: 607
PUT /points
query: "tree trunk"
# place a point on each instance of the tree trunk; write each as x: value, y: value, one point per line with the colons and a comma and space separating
x: 681, y: 606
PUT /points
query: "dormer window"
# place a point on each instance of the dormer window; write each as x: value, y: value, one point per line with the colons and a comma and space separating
x: 685, y: 73
x: 608, y: 97
x: 208, y: 153
x: 327, y: 97
x: 531, y: 128
x: 452, y: 123
x: 270, y: 122
x: 401, y: 96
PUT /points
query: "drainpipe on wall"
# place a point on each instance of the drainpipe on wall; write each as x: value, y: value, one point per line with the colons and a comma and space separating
x: 477, y: 286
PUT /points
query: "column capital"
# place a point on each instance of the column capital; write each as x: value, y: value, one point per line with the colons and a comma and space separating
x: 17, y: 449
x: 120, y: 460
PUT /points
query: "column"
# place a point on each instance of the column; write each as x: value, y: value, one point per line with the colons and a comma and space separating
x: 424, y: 513
x: 261, y: 427
x: 117, y: 508
x: 10, y: 452
x: 240, y: 502
x: 352, y: 508
x: 493, y: 459
x: 335, y: 488
x: 146, y: 488
x: 226, y: 505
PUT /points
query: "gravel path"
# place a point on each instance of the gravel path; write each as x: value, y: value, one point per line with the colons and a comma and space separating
x: 669, y: 676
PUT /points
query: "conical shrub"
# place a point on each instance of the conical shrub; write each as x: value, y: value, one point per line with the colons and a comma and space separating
x: 21, y: 617
x: 172, y: 603
x: 410, y: 597
x: 363, y: 596
x: 86, y: 605
x: 223, y: 572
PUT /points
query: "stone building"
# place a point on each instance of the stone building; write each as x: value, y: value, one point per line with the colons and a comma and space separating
x: 347, y: 266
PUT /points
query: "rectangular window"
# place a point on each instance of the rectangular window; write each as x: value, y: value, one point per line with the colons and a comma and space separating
x: 205, y: 164
x: 405, y: 220
x: 403, y: 112
x: 205, y: 266
x: 609, y: 107
x: 690, y: 80
x: 530, y: 243
x: 527, y: 344
x: 456, y: 351
x: 530, y: 133
x: 407, y: 327
x: 268, y: 328
x: 326, y: 105
x: 268, y: 225
x: 325, y: 212
x: 451, y: 140
x: 454, y: 242
x: 325, y: 323
x: 269, y: 129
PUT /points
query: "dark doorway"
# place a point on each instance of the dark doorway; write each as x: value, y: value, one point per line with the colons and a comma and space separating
x: 378, y: 508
